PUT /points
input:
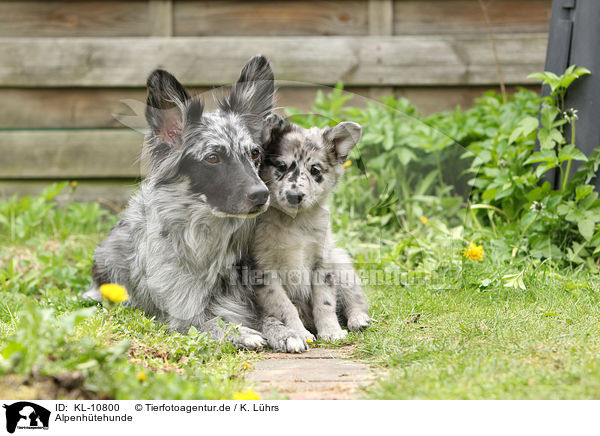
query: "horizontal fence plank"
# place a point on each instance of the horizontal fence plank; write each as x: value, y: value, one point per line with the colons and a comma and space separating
x: 64, y: 107
x: 363, y: 61
x: 70, y: 153
x: 429, y: 100
x: 112, y: 193
x: 413, y: 17
x: 24, y: 108
x: 265, y: 18
x: 74, y: 18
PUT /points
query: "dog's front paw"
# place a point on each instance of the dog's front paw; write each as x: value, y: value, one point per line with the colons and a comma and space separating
x: 358, y: 321
x: 288, y: 342
x: 295, y: 344
x: 251, y: 342
x: 333, y: 335
x: 92, y: 294
x: 246, y: 338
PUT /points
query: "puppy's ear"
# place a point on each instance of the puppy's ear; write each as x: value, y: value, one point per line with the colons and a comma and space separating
x: 342, y: 138
x: 253, y: 91
x: 274, y: 127
x: 164, y: 107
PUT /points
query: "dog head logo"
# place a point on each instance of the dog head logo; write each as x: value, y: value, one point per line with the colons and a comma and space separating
x: 24, y: 414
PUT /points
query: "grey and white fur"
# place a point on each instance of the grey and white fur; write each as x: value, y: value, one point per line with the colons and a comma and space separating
x: 308, y: 284
x: 179, y: 246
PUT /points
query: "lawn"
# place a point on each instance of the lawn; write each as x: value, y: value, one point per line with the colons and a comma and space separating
x: 482, y: 278
x: 63, y: 346
x: 466, y: 341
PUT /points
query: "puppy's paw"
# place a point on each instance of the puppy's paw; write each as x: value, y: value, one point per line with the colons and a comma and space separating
x: 288, y: 342
x: 295, y: 344
x: 307, y: 336
x: 358, y: 321
x: 333, y: 335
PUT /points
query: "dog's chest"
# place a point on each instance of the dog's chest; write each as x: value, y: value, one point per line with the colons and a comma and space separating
x: 290, y: 246
x: 296, y: 258
x: 298, y: 253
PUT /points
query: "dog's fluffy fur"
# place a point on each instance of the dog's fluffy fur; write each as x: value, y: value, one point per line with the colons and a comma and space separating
x: 179, y: 245
x: 306, y: 281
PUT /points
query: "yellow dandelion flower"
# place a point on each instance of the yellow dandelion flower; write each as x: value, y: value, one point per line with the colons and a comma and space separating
x: 113, y: 292
x: 247, y: 395
x: 308, y: 340
x: 74, y: 184
x: 348, y: 163
x: 473, y: 252
x: 424, y: 220
x: 141, y: 376
x: 246, y: 366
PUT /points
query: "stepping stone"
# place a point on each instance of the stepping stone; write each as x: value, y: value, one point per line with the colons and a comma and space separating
x: 318, y: 374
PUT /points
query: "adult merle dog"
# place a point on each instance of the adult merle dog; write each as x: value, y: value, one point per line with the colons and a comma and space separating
x: 181, y: 244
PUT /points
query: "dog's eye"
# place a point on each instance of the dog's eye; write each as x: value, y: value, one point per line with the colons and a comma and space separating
x: 212, y: 158
x: 255, y: 153
x: 280, y: 166
x: 315, y: 170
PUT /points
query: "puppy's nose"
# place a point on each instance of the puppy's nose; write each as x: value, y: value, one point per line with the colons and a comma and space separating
x: 258, y: 195
x: 294, y: 198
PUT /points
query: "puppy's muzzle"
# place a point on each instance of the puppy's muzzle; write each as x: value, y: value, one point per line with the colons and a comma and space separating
x: 294, y: 198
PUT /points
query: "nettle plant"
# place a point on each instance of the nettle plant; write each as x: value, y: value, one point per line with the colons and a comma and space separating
x: 555, y: 149
x: 558, y: 223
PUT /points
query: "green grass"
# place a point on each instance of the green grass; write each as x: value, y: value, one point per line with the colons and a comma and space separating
x: 47, y: 332
x: 495, y: 342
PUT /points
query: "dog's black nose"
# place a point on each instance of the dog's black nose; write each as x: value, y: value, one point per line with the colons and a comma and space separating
x: 258, y: 195
x: 294, y: 198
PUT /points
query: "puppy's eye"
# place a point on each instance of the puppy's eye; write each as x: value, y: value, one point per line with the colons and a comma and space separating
x: 315, y: 170
x: 212, y: 158
x: 280, y: 166
x: 255, y: 153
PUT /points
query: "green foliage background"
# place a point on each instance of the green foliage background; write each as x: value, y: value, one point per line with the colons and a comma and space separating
x: 475, y: 173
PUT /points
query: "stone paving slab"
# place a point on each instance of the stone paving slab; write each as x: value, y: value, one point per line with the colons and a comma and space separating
x: 320, y: 373
x: 313, y: 353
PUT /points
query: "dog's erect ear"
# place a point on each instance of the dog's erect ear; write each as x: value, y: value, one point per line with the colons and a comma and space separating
x: 164, y: 106
x: 253, y: 92
x: 274, y: 127
x: 342, y: 138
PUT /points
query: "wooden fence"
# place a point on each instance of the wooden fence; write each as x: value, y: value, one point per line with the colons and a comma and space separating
x: 66, y: 67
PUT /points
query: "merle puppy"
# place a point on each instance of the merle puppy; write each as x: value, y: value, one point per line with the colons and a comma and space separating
x: 308, y: 282
x: 179, y: 244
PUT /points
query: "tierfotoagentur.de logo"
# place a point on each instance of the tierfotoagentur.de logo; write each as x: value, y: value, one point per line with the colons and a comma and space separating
x: 26, y: 415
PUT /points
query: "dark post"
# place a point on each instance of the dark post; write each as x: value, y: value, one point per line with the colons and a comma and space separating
x: 575, y: 39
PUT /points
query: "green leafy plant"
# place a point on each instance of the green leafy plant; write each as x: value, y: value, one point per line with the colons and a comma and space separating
x: 538, y: 220
x: 404, y: 169
x: 555, y: 149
